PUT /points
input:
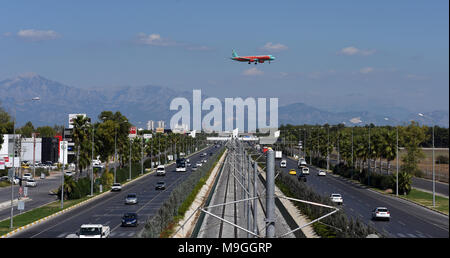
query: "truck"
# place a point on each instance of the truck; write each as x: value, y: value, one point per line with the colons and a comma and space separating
x: 94, y: 231
x: 278, y: 154
x: 181, y: 165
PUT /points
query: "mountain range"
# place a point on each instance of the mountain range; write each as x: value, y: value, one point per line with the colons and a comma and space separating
x: 150, y: 102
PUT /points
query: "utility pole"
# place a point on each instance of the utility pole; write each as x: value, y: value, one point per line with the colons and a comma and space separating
x: 397, y: 154
x: 255, y: 201
x: 270, y: 192
x: 92, y: 162
x: 434, y: 201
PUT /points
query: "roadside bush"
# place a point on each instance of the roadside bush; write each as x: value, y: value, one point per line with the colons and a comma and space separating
x: 441, y: 159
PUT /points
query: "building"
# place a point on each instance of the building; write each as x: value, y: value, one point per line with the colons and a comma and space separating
x: 151, y: 125
x: 161, y: 124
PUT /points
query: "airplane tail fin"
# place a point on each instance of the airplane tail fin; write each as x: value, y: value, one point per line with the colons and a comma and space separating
x: 234, y: 54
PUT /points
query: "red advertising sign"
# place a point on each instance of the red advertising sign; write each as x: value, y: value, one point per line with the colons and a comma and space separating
x: 133, y: 131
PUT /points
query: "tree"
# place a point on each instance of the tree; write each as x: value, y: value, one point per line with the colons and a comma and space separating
x: 81, y: 142
x: 46, y: 131
x: 411, y: 137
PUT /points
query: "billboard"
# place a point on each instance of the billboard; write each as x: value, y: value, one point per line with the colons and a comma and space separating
x: 132, y: 132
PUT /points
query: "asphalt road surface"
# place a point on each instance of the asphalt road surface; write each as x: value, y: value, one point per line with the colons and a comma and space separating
x: 109, y: 209
x: 407, y: 219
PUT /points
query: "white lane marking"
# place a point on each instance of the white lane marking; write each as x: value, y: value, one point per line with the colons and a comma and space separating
x: 401, y: 235
x: 412, y: 236
x: 401, y: 223
x: 61, y: 235
x: 131, y: 234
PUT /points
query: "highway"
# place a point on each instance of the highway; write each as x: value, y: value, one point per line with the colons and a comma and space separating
x: 407, y: 219
x: 108, y: 209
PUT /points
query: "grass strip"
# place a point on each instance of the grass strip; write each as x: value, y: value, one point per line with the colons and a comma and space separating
x: 36, y: 214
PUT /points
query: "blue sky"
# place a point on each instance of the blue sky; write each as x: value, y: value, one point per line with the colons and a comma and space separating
x: 330, y: 54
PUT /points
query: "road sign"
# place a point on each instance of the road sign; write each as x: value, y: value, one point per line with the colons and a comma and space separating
x: 21, y: 205
x: 148, y: 136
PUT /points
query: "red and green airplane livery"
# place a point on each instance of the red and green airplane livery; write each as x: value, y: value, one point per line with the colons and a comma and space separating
x: 251, y: 59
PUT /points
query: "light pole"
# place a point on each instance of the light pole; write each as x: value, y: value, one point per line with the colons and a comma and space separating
x: 434, y: 186
x: 63, y: 147
x: 13, y: 160
x: 397, y: 154
x: 92, y: 162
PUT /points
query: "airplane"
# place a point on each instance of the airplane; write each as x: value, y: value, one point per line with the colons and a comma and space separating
x: 251, y: 59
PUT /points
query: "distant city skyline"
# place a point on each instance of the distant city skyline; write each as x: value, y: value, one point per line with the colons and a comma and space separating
x: 333, y: 55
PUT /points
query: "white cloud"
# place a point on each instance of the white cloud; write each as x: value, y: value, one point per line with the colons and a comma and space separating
x: 350, y: 51
x: 253, y: 71
x: 37, y: 35
x: 366, y: 70
x: 155, y: 40
x: 415, y: 77
x: 269, y: 46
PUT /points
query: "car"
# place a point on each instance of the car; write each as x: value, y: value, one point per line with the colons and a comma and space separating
x: 205, y: 160
x: 199, y: 164
x: 321, y: 173
x: 16, y: 180
x: 69, y: 173
x: 336, y: 198
x: 131, y: 199
x: 283, y: 163
x: 116, y: 187
x: 301, y: 176
x: 292, y: 172
x: 27, y: 176
x: 160, y: 185
x: 204, y: 154
x: 381, y: 213
x: 194, y: 168
x: 305, y: 170
x: 129, y: 219
x: 4, y: 178
x: 160, y: 170
x: 31, y: 182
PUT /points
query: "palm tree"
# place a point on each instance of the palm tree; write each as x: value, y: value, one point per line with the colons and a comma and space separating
x: 81, y: 142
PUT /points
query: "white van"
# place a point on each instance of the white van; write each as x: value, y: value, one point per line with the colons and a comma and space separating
x: 160, y: 170
x: 283, y: 163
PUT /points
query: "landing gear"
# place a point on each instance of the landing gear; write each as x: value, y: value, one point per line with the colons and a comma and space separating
x: 248, y: 62
x: 256, y: 62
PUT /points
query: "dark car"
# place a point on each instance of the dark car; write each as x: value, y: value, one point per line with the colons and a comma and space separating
x: 160, y: 185
x: 301, y: 176
x: 130, y: 219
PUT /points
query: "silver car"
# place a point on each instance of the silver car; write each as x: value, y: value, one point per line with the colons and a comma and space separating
x: 131, y: 199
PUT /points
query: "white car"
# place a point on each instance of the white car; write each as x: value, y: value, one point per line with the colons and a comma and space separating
x: 322, y: 173
x: 381, y: 213
x: 69, y: 173
x: 283, y: 163
x: 305, y: 170
x: 199, y: 164
x: 205, y: 160
x: 160, y: 170
x: 116, y: 187
x: 31, y: 182
x: 27, y: 176
x: 336, y: 198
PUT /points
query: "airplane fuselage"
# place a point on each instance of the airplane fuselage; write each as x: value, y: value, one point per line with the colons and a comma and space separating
x: 253, y: 59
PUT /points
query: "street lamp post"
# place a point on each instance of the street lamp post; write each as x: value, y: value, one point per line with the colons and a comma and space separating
x: 13, y: 161
x: 92, y: 162
x: 434, y: 186
x: 397, y: 154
